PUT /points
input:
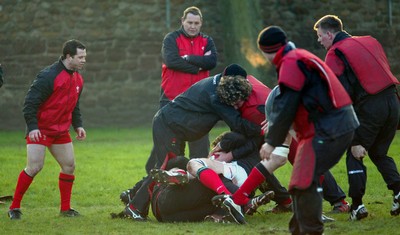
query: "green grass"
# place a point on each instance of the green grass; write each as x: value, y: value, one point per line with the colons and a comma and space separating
x: 112, y: 160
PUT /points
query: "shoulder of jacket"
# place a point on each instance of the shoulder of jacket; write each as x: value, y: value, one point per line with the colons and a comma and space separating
x: 174, y: 34
x: 205, y: 35
x: 51, y: 71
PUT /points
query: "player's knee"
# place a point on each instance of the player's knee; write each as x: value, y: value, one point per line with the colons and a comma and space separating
x: 33, y: 170
x: 68, y: 168
x: 194, y: 165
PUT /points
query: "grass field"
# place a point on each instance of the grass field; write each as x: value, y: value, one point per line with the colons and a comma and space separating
x: 112, y: 160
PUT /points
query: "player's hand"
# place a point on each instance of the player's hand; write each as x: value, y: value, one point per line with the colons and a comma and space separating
x: 359, y: 152
x: 81, y: 133
x: 265, y: 151
x: 35, y: 135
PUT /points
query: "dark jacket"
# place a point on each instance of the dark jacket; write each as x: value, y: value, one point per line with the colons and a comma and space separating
x: 194, y: 113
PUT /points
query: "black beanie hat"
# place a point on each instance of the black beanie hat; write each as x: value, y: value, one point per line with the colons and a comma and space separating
x: 271, y: 39
x: 233, y: 70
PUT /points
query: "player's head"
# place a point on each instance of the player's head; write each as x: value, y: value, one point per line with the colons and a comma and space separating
x: 233, y: 70
x: 192, y: 10
x: 74, y: 54
x: 327, y: 27
x: 271, y: 39
x: 71, y: 47
x: 192, y: 21
x: 233, y: 88
x: 229, y: 141
x: 330, y: 23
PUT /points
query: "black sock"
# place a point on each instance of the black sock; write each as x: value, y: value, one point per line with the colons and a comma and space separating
x: 396, y: 188
x: 355, y: 203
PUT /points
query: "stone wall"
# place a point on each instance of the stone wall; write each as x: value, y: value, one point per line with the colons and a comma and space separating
x: 364, y: 17
x: 123, y: 40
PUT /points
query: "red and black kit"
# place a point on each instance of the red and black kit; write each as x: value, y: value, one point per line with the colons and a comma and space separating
x: 314, y: 101
x: 52, y: 102
x: 361, y: 65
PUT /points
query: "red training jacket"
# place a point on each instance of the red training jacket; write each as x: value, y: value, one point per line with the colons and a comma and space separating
x: 52, y: 102
x: 178, y: 74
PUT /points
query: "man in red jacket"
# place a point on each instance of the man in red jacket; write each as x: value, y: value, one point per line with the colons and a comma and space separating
x: 51, y: 106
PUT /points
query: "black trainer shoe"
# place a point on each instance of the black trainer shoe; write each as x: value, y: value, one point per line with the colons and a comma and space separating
x: 218, y: 199
x: 234, y: 210
x: 14, y: 214
x: 358, y: 214
x: 134, y: 214
x: 70, y: 213
x: 127, y: 195
x: 225, y: 202
x: 169, y: 177
x: 251, y: 207
x: 395, y: 211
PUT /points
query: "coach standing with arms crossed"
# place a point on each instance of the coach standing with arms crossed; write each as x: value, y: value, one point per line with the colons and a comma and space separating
x: 188, y: 56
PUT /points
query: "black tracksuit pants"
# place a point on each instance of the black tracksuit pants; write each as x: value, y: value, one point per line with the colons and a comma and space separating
x: 378, y: 116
